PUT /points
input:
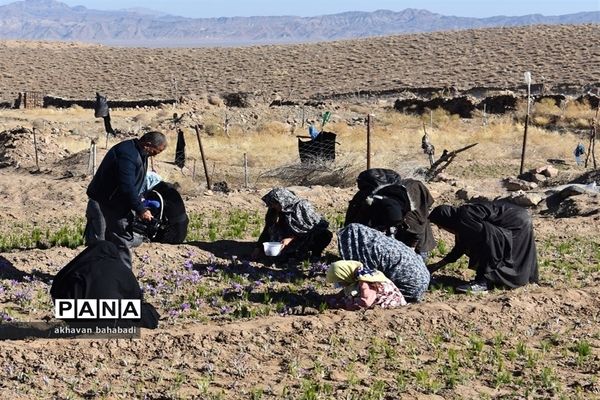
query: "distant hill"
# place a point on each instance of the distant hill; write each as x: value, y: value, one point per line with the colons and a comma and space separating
x: 53, y: 20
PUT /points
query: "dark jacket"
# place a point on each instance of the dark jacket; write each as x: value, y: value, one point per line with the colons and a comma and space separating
x: 174, y: 222
x: 120, y: 177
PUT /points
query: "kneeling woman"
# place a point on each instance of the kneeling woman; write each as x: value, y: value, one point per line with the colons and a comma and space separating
x: 497, y: 238
x: 295, y: 223
x: 362, y: 287
x: 376, y: 251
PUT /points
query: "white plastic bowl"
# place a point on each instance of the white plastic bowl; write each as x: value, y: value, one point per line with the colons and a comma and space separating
x: 272, y: 249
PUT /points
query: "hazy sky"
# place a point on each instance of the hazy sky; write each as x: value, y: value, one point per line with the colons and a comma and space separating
x: 229, y: 8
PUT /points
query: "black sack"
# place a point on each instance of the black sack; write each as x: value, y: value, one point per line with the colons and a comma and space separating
x: 99, y: 273
x: 321, y: 148
x: 101, y: 107
x: 101, y: 111
x: 180, y: 149
x: 174, y: 220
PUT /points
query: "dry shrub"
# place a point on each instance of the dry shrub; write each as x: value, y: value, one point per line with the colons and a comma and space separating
x: 213, y: 129
x: 341, y: 173
x: 274, y: 128
x: 441, y: 117
x: 164, y: 114
x: 574, y: 110
x: 582, y: 123
x: 541, y: 120
x: 545, y: 144
x: 215, y: 100
x: 142, y: 118
x: 360, y: 109
x: 546, y: 107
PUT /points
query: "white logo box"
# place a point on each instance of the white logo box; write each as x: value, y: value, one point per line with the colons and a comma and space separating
x: 98, y: 308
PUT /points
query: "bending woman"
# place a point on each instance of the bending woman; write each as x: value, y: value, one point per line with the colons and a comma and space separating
x: 362, y: 287
x: 397, y: 261
x: 295, y: 223
x: 497, y: 238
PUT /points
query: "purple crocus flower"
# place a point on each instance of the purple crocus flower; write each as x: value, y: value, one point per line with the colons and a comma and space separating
x: 211, y: 268
x: 225, y: 310
x: 5, y: 317
x: 194, y: 277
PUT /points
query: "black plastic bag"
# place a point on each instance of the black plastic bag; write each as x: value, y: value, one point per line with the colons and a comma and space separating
x: 101, y: 107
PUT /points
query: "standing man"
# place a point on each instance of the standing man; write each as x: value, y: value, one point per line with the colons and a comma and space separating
x: 116, y: 190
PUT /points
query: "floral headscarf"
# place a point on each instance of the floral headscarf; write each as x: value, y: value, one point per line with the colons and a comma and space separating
x: 300, y: 215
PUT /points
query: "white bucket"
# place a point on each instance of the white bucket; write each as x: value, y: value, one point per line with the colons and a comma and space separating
x: 272, y: 249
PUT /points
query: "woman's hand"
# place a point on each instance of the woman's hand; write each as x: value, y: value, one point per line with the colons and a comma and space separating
x: 285, y: 242
x: 436, y: 266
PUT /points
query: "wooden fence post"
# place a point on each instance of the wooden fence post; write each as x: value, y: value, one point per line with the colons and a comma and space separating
x: 208, y: 185
x: 593, y: 131
x: 92, y: 160
x: 37, y: 163
x: 528, y: 81
x: 369, y: 141
x: 246, y: 171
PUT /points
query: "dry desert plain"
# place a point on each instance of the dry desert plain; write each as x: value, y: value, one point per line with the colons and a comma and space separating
x: 231, y: 329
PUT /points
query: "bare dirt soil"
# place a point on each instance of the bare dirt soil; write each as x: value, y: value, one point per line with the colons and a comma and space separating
x: 463, y: 59
x: 231, y: 329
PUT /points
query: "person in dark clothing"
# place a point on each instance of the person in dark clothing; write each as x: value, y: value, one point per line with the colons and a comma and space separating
x: 396, y: 206
x: 415, y: 230
x: 99, y: 273
x: 498, y: 239
x: 368, y: 181
x: 116, y: 188
x: 174, y: 220
x: 295, y: 223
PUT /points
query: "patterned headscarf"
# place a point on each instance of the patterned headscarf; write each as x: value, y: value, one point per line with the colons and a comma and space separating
x: 377, y: 251
x: 299, y: 214
x: 348, y: 272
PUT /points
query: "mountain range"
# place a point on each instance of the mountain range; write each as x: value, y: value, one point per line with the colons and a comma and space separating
x: 54, y: 20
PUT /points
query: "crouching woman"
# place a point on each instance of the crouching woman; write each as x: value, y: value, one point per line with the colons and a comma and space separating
x: 362, y: 287
x: 498, y: 239
x: 293, y: 222
x: 397, y: 261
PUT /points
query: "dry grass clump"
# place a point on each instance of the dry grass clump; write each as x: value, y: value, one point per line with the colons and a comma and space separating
x: 546, y: 113
x: 274, y: 128
x: 266, y: 137
x: 547, y: 107
x: 575, y: 110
